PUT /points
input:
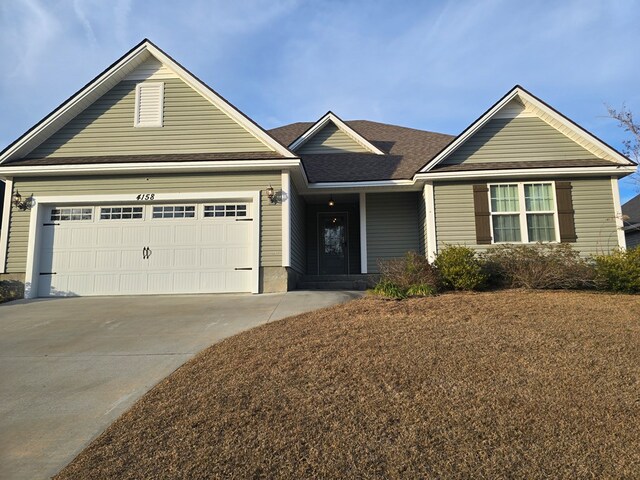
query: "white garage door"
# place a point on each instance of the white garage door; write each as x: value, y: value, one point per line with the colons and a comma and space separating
x: 146, y: 249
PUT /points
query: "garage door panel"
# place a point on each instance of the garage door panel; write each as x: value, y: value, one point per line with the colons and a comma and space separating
x: 112, y: 256
x: 212, y: 233
x: 186, y: 234
x: 135, y: 235
x: 185, y: 258
x: 82, y: 236
x: 109, y: 260
x: 185, y: 282
x: 108, y: 236
x: 82, y: 260
x: 109, y: 283
x: 133, y: 282
x: 162, y: 235
x: 80, y: 284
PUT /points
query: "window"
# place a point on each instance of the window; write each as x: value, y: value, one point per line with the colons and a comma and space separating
x: 174, y: 211
x: 120, y: 213
x: 58, y: 214
x: 225, y: 210
x: 523, y: 212
x: 149, y: 104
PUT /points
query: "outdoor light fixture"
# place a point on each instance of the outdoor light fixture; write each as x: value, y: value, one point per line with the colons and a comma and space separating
x: 331, y: 202
x: 271, y: 193
x: 25, y: 204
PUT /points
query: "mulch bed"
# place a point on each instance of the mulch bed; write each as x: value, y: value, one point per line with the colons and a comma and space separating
x: 491, y: 385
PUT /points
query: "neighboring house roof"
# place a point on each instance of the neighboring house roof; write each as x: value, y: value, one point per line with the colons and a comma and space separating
x: 405, y: 151
x: 631, y: 209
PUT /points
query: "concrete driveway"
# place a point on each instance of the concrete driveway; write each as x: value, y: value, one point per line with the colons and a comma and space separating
x: 69, y: 367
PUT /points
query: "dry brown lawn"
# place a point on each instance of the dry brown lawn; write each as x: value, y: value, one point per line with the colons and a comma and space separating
x: 493, y: 385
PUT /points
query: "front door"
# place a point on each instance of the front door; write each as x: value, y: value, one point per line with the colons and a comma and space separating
x: 333, y: 255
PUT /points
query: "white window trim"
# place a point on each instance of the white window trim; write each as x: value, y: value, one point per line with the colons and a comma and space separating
x: 43, y: 203
x: 522, y: 212
x: 160, y: 121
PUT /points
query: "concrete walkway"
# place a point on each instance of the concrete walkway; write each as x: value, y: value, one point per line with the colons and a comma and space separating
x: 69, y: 367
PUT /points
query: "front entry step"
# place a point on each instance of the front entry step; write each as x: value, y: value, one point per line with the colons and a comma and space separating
x: 336, y: 282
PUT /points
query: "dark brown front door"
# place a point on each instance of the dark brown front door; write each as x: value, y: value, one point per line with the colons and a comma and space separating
x: 333, y: 255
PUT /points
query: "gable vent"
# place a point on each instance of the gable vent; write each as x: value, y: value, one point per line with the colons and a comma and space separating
x: 149, y: 104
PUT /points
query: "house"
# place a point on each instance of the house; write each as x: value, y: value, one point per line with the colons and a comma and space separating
x: 147, y: 181
x: 631, y: 215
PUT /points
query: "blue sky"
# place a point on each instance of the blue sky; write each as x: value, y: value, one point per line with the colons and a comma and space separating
x: 434, y: 65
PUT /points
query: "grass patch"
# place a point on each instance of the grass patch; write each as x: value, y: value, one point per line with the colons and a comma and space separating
x: 468, y: 385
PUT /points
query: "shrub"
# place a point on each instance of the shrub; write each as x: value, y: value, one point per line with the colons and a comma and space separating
x: 389, y: 289
x: 460, y: 268
x: 540, y: 266
x: 411, y: 275
x: 619, y: 271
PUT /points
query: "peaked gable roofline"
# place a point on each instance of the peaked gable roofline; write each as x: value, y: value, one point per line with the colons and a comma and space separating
x: 112, y: 75
x: 590, y: 141
x: 338, y: 122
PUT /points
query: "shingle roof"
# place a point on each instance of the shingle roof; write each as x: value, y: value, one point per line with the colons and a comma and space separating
x: 166, y: 157
x: 632, y: 210
x: 407, y: 150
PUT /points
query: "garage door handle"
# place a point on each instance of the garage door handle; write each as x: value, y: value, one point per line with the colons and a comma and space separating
x: 144, y: 253
x: 244, y: 268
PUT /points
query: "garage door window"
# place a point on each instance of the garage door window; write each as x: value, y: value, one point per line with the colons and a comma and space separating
x: 174, y: 211
x: 63, y: 214
x: 120, y: 213
x: 225, y: 210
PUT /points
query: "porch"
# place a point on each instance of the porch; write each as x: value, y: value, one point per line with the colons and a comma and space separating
x: 337, y: 240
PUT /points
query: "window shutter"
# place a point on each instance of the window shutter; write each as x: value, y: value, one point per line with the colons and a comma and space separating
x: 483, y: 216
x: 565, y: 212
x: 149, y: 104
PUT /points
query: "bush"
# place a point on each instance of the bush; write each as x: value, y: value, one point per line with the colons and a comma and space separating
x: 460, y: 268
x: 411, y: 275
x: 540, y: 266
x: 619, y: 272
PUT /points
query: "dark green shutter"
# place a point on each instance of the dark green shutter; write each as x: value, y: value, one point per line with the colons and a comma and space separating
x: 565, y: 212
x: 482, y: 214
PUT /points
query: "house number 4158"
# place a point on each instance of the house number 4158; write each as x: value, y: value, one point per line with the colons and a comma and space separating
x: 145, y: 196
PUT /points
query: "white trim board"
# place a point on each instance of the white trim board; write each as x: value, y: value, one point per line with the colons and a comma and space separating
x: 33, y: 244
x: 6, y: 219
x: 342, y: 126
x: 109, y: 78
x: 285, y: 197
x: 546, y: 113
x: 150, y: 167
x: 617, y: 212
x: 431, y: 248
x: 363, y: 233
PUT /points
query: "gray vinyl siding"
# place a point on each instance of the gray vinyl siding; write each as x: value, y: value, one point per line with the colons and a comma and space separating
x: 191, y: 125
x: 270, y: 215
x: 392, y: 226
x: 298, y: 258
x: 331, y: 139
x: 517, y: 139
x: 592, y: 202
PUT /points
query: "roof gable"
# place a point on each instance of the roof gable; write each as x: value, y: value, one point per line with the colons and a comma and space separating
x: 519, y: 107
x: 331, y: 135
x: 144, y: 61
